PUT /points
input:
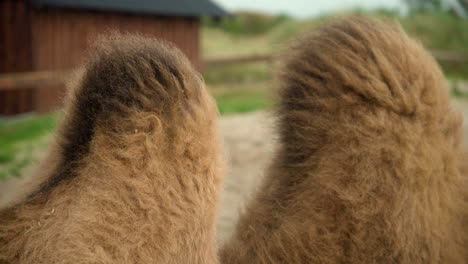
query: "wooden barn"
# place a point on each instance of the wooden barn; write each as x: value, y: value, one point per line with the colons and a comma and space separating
x: 52, y: 35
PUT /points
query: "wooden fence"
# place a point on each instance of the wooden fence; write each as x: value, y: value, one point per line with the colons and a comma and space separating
x: 27, y: 80
x: 42, y: 91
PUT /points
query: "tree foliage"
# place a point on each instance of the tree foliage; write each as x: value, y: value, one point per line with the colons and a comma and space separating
x: 417, y: 5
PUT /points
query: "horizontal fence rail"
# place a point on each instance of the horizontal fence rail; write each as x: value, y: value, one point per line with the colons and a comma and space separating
x: 31, y: 79
x: 25, y: 80
x: 449, y: 56
x: 212, y: 63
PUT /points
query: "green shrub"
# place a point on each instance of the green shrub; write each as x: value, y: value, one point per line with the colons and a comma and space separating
x: 237, y: 73
x: 439, y: 30
x: 247, y: 23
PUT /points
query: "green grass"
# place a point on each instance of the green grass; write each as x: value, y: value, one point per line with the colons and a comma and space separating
x: 435, y: 29
x: 234, y: 98
x: 238, y: 74
x: 20, y: 139
x: 244, y: 87
x: 23, y: 141
x: 29, y: 128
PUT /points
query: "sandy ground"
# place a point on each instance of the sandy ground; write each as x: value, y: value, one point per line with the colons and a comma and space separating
x: 249, y: 142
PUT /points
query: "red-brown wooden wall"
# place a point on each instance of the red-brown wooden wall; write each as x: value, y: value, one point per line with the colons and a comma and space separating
x: 15, y: 53
x: 56, y: 39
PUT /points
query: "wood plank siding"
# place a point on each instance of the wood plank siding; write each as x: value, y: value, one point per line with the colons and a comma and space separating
x: 15, y: 53
x: 57, y: 39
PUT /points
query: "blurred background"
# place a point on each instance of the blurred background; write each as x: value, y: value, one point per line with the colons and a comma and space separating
x: 231, y: 42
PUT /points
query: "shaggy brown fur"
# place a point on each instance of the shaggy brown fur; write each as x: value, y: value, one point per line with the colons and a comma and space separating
x: 367, y: 167
x: 367, y: 171
x: 134, y: 175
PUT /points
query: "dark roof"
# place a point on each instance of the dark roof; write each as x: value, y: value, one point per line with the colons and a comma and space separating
x: 191, y: 8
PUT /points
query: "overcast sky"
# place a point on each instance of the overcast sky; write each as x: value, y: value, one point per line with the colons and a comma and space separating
x: 306, y: 8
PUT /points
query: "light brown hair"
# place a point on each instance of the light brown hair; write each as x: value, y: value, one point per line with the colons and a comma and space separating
x: 368, y: 170
x: 136, y: 157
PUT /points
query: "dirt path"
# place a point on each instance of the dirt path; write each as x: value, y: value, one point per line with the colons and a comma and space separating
x: 249, y: 142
